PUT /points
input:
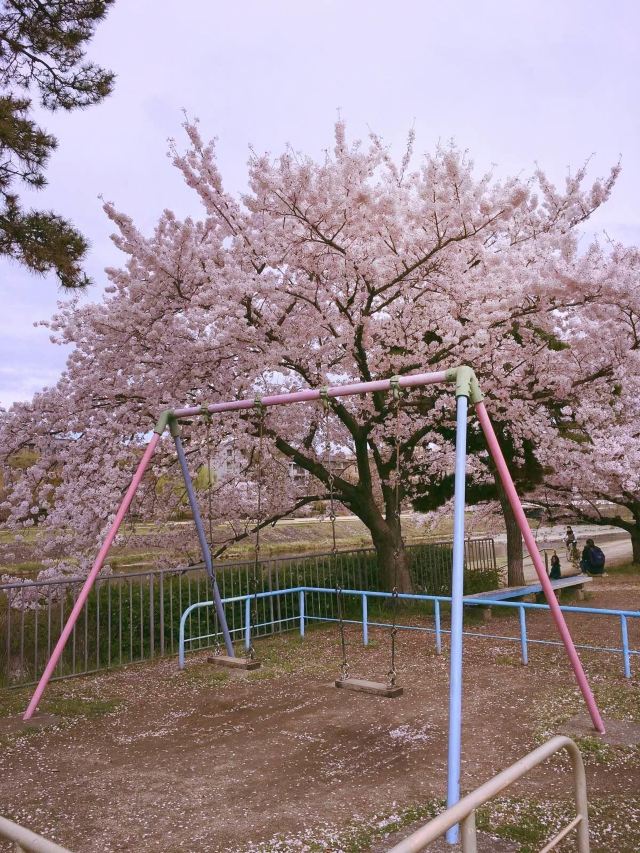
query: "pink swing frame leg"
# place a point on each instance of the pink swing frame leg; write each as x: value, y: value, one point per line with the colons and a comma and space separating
x: 88, y: 584
x: 532, y: 548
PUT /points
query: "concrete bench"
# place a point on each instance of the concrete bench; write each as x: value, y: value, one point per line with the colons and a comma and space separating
x: 534, y: 589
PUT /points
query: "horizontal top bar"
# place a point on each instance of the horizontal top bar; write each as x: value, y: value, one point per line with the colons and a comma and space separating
x: 411, y: 381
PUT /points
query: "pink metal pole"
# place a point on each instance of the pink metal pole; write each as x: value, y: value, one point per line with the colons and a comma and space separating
x: 538, y: 563
x: 86, y: 589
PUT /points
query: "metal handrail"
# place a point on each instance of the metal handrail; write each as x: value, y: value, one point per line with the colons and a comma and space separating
x: 464, y: 811
x: 27, y: 841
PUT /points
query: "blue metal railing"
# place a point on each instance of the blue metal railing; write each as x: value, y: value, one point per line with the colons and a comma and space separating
x: 301, y: 618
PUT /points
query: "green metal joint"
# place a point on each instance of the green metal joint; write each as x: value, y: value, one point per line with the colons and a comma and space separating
x: 466, y: 383
x: 476, y: 394
x: 464, y: 375
x: 165, y: 420
x: 450, y: 374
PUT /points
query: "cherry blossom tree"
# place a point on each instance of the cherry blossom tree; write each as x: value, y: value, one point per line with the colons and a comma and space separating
x: 348, y: 268
x: 593, y: 457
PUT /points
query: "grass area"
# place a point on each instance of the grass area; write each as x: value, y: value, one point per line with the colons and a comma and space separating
x: 88, y: 707
x: 13, y: 702
x: 28, y: 535
x: 70, y: 701
x: 359, y: 839
x: 289, y: 536
x: 27, y: 569
x: 508, y: 660
x: 64, y: 701
x: 595, y: 751
x: 624, y: 569
x: 618, y: 701
x: 353, y: 838
x: 205, y: 675
x: 280, y: 656
x: 529, y: 823
x: 621, y: 701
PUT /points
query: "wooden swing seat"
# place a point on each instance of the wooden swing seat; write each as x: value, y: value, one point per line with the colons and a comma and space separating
x: 377, y: 688
x: 234, y: 663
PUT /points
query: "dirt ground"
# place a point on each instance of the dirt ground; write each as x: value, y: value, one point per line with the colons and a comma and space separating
x: 153, y: 759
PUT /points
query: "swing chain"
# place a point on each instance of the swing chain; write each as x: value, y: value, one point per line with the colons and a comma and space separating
x: 217, y: 648
x: 206, y: 415
x: 324, y: 394
x: 391, y: 676
x: 344, y: 666
x: 396, y: 393
x: 256, y: 549
x: 394, y: 385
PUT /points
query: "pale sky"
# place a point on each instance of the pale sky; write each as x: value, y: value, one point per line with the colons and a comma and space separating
x: 513, y: 81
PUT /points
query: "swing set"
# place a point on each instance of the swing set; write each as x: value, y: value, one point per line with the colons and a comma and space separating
x: 466, y: 389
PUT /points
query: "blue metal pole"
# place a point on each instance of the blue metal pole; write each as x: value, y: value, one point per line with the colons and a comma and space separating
x: 523, y: 635
x: 625, y: 647
x: 457, y: 589
x: 247, y: 623
x: 204, y: 546
x: 301, y: 598
x: 183, y: 620
x: 438, y: 634
x: 365, y: 626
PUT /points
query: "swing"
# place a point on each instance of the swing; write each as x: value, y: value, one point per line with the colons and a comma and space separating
x: 250, y: 661
x: 388, y: 689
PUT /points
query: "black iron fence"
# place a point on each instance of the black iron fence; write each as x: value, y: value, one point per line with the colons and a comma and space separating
x: 135, y: 617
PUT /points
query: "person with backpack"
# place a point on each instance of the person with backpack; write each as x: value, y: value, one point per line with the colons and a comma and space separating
x: 593, y: 559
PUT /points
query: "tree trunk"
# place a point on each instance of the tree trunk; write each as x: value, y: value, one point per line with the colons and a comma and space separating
x: 386, y: 535
x: 635, y: 541
x: 515, y: 568
x: 393, y: 563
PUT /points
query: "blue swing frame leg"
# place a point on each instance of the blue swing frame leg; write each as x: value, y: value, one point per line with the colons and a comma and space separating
x: 204, y: 546
x: 457, y: 589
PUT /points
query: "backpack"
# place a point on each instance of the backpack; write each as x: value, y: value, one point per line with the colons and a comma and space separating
x: 596, y: 557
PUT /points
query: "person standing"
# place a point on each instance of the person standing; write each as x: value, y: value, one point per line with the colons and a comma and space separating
x: 571, y: 544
